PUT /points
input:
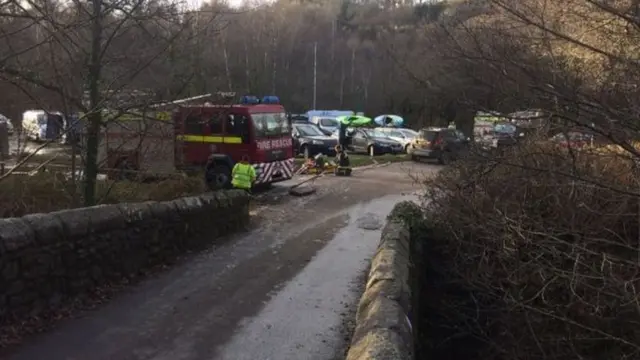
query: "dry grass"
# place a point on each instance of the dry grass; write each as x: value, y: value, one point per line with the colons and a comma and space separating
x: 547, y: 242
x: 46, y: 192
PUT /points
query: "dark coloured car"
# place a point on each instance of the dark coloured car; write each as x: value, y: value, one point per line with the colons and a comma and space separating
x: 298, y: 118
x: 441, y: 144
x: 506, y: 134
x: 309, y: 140
x: 374, y: 142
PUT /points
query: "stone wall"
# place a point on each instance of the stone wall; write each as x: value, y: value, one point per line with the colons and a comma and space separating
x: 383, y: 329
x: 46, y: 259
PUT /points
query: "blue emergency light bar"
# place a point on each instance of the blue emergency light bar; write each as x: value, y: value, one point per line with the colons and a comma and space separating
x: 254, y: 100
x: 249, y: 100
x: 271, y: 99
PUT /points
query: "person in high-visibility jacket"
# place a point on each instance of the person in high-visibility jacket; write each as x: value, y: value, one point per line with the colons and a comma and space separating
x: 243, y: 174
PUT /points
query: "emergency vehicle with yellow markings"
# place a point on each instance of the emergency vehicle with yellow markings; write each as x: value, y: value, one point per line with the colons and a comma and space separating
x: 205, y: 137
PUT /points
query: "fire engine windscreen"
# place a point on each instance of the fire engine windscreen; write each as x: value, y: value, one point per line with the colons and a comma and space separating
x: 270, y: 124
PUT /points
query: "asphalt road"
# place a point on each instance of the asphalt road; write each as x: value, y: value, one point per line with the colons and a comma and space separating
x: 281, y: 292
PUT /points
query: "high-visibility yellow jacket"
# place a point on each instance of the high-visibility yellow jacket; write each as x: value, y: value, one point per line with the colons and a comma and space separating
x: 243, y: 176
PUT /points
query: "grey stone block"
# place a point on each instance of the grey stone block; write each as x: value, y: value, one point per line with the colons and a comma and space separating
x: 380, y: 344
x: 48, y: 228
x: 381, y: 312
x: 395, y: 235
x: 134, y: 213
x: 163, y: 210
x: 15, y: 234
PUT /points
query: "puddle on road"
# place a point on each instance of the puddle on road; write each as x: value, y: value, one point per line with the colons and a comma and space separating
x: 369, y: 221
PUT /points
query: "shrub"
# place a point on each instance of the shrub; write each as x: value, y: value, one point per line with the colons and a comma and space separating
x: 46, y: 192
x: 547, y: 243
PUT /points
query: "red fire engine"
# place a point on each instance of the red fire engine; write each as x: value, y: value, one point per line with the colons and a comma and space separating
x: 217, y: 136
x: 210, y: 137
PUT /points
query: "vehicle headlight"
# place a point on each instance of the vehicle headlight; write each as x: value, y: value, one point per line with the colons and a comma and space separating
x: 317, y: 142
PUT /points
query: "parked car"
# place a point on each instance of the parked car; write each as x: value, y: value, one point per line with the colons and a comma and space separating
x: 403, y: 136
x: 5, y: 120
x: 506, y: 134
x: 309, y: 140
x: 298, y: 118
x: 373, y: 142
x: 336, y: 132
x: 327, y: 124
x: 572, y: 139
x: 409, y: 132
x: 442, y: 144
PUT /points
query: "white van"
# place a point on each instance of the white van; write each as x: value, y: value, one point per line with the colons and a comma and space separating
x: 40, y: 125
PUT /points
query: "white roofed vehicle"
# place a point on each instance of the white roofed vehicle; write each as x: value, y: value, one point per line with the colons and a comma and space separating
x: 41, y: 125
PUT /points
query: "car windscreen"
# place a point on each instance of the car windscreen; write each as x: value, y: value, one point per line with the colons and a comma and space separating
x: 409, y: 133
x: 308, y: 130
x: 393, y: 133
x: 375, y: 133
x: 505, y: 128
x: 328, y: 122
x: 270, y: 124
x: 427, y: 135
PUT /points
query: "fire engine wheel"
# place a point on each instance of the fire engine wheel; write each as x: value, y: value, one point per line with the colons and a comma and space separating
x: 218, y: 177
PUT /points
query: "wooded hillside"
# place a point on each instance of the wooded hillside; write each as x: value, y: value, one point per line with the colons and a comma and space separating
x: 432, y: 62
x: 423, y: 60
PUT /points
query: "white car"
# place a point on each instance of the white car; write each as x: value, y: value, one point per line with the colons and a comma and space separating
x: 401, y: 135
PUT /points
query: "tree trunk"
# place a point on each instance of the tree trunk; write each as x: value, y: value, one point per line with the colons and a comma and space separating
x: 274, y: 74
x: 264, y: 72
x: 366, y: 80
x: 246, y: 68
x: 226, y: 64
x: 353, y: 69
x: 341, y: 84
x: 333, y: 41
x: 95, y: 107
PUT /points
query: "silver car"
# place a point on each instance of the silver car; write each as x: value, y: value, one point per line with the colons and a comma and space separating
x: 401, y: 135
x: 328, y: 125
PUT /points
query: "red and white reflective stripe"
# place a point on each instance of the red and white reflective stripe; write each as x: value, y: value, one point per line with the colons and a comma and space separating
x: 266, y: 171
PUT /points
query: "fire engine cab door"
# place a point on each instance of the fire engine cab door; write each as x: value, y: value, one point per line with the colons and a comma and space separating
x: 236, y: 135
x: 214, y: 135
x: 194, y: 142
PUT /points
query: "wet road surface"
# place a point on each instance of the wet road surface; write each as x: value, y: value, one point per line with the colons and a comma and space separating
x: 279, y: 292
